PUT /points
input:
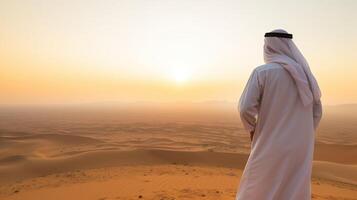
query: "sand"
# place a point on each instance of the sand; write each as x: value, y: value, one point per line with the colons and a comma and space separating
x: 105, y: 153
x: 161, y: 182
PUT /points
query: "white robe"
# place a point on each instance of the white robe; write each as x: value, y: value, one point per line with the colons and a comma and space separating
x: 280, y: 162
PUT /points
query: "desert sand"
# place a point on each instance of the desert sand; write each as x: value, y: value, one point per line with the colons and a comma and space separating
x: 152, y: 152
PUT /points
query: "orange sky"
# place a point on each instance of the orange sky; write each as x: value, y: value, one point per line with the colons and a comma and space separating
x: 84, y: 51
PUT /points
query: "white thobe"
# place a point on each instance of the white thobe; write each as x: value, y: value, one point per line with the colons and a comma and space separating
x: 279, y: 165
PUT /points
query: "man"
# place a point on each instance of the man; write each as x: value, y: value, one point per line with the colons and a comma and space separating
x: 281, y: 108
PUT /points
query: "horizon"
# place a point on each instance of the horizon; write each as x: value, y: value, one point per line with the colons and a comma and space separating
x: 140, y: 102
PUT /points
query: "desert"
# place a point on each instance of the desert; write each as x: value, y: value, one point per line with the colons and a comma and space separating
x: 152, y: 151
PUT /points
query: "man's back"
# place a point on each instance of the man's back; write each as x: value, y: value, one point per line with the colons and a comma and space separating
x: 283, y: 141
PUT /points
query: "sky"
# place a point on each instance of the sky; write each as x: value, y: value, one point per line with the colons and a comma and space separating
x: 63, y: 51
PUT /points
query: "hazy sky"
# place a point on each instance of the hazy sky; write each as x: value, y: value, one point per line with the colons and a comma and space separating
x: 83, y: 51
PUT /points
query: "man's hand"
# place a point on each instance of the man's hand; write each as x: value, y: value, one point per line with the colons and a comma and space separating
x: 251, y: 135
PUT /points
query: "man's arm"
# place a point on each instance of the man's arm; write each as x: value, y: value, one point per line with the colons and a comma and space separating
x: 249, y: 103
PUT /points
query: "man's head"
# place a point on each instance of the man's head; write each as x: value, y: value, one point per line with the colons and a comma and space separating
x: 277, y: 42
x: 280, y: 48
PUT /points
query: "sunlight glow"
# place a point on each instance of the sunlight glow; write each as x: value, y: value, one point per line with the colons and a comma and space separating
x: 164, y: 50
x: 181, y: 75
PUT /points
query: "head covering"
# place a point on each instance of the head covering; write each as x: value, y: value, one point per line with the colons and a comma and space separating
x: 283, y: 51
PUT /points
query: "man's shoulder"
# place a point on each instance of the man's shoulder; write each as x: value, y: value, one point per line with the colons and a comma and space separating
x: 268, y: 66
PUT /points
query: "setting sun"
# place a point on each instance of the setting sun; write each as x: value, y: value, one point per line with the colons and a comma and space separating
x: 181, y: 75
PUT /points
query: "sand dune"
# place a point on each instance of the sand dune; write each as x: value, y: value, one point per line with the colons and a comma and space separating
x: 336, y: 172
x: 98, y: 159
x: 337, y: 153
x: 35, y: 167
x: 43, y: 154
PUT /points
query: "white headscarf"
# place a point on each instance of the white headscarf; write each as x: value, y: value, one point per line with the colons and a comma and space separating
x: 284, y: 52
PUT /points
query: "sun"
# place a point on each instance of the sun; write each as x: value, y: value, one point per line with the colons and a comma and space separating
x: 181, y: 75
